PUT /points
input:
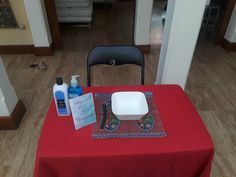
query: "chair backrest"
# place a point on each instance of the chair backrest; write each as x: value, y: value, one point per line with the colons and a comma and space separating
x: 115, y: 55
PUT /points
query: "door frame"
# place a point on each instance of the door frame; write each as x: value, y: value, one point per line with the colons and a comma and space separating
x: 224, y: 22
x: 50, y: 7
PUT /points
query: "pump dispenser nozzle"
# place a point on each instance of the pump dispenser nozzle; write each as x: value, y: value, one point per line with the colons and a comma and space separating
x: 74, y: 81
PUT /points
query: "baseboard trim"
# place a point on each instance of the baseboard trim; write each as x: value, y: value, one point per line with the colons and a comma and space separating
x: 228, y: 45
x: 12, y: 122
x: 26, y: 49
x: 16, y: 49
x: 43, y: 51
x: 144, y: 48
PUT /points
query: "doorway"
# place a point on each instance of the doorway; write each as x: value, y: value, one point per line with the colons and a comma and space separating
x: 226, y: 12
x: 112, y: 23
x: 157, y: 22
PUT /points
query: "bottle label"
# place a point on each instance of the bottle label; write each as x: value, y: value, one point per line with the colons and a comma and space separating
x: 61, y: 105
x: 72, y: 95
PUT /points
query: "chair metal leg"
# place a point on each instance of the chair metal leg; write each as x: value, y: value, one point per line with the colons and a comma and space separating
x: 142, y: 75
x: 88, y: 77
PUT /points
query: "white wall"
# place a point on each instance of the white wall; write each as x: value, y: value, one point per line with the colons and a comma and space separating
x: 179, y: 40
x: 142, y: 22
x: 8, y: 98
x: 36, y: 13
x: 165, y: 41
x: 230, y: 34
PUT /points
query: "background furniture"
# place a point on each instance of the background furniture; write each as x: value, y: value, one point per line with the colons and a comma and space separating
x: 74, y: 10
x: 186, y: 151
x: 210, y: 20
x: 115, y: 55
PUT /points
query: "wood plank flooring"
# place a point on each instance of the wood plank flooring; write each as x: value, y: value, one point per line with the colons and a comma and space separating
x: 211, y: 86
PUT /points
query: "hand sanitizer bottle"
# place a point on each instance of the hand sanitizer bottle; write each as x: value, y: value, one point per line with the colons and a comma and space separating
x: 60, y: 93
x: 74, y: 89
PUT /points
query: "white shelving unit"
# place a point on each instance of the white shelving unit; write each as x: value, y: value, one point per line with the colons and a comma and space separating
x: 74, y: 11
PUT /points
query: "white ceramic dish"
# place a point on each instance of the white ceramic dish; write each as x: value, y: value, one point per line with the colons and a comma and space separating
x: 129, y: 105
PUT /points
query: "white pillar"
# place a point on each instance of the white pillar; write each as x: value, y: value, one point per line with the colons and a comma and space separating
x: 37, y: 16
x: 8, y: 98
x: 183, y: 22
x: 230, y: 34
x: 143, y: 14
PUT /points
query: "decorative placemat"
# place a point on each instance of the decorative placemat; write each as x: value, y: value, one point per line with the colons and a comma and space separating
x: 148, y: 126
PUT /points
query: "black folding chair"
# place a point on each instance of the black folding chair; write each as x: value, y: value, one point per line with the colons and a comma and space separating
x: 115, y: 55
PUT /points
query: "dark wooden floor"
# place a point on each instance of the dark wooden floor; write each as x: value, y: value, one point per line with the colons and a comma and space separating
x: 111, y: 25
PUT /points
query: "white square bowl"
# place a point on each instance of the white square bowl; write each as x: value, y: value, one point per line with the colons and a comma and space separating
x: 129, y: 105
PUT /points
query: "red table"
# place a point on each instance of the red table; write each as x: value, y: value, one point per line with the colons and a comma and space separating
x: 187, y: 151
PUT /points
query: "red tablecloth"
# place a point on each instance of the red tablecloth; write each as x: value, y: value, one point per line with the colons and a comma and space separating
x: 187, y: 151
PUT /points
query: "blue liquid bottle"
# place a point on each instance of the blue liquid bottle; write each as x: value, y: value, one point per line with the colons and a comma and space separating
x: 74, y: 89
